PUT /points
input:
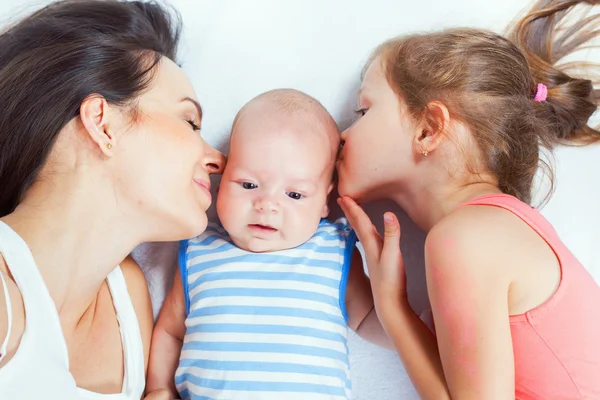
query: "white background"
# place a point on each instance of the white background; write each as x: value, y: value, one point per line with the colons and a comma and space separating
x: 236, y: 49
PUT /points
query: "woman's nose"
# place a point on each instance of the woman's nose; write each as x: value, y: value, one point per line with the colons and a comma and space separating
x: 215, y: 161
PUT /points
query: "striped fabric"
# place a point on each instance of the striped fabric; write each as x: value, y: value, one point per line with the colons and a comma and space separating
x: 266, y: 325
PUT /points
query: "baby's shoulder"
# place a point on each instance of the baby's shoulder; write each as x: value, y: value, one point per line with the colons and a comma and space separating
x: 338, y: 229
x: 214, y: 231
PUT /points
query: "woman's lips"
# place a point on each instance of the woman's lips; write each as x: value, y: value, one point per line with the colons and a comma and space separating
x: 205, y: 186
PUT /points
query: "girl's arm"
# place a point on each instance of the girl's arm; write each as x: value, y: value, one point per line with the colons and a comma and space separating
x: 469, y: 301
x: 468, y: 283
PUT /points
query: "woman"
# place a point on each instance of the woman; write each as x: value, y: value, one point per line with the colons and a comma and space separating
x: 99, y: 151
x: 450, y: 127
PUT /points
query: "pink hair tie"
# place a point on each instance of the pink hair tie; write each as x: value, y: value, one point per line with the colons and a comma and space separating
x: 542, y: 93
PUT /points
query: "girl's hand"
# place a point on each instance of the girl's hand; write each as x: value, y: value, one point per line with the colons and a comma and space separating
x: 383, y: 256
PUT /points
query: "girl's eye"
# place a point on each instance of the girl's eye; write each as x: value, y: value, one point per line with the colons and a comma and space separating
x: 294, y: 195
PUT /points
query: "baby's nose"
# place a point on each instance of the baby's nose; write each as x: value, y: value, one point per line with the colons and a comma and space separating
x: 266, y: 204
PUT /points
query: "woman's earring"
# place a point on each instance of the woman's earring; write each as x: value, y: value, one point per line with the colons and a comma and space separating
x: 108, y: 146
x: 424, y: 152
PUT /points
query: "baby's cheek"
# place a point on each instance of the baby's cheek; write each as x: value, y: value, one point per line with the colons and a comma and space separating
x: 307, y: 220
x: 228, y: 208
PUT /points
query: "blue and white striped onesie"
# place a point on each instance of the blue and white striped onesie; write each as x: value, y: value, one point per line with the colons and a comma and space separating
x: 266, y: 325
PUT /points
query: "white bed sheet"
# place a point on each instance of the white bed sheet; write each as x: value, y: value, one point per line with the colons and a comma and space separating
x: 235, y: 49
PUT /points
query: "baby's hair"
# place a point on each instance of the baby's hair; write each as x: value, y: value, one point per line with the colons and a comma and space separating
x: 293, y: 102
x: 489, y: 82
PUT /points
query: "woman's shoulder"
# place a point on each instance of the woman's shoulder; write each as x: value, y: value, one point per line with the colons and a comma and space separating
x: 16, y: 313
x: 135, y: 279
x: 138, y: 290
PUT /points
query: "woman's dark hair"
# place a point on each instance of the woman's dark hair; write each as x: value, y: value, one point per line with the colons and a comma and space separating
x: 55, y: 58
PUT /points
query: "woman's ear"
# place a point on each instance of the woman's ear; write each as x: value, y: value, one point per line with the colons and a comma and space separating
x: 433, y: 124
x: 94, y: 114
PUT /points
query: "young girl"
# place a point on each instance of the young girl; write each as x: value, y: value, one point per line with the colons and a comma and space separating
x: 450, y: 128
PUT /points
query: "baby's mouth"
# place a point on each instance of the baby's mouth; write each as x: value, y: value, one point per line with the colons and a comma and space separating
x: 262, y: 228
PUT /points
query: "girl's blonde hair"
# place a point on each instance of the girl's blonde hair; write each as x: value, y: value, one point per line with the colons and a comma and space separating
x: 489, y: 82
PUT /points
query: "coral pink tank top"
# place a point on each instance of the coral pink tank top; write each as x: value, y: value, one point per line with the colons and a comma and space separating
x: 557, y: 344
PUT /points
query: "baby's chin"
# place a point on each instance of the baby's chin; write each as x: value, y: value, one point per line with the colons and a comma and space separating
x: 255, y: 245
x: 259, y: 245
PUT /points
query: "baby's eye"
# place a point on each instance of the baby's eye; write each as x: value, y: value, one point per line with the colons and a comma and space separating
x: 249, y: 185
x: 294, y: 195
x: 361, y: 112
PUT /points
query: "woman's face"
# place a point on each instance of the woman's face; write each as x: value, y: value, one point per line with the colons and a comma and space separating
x: 377, y: 150
x: 162, y: 162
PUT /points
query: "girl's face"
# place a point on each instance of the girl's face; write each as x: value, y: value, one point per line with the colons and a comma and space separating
x: 377, y: 153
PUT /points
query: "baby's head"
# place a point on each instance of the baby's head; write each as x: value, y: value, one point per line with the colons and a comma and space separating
x: 279, y: 171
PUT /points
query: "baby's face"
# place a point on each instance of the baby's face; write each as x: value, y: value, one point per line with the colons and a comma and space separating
x: 274, y: 188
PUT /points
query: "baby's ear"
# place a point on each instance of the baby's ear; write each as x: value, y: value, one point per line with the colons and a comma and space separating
x: 325, y: 212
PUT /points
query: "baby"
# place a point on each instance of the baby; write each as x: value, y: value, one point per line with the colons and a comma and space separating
x: 261, y: 304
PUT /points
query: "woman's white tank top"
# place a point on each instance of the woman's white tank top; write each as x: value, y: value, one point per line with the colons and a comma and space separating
x: 40, y: 367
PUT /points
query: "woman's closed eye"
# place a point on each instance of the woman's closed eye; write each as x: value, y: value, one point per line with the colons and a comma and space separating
x: 194, y: 126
